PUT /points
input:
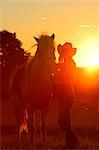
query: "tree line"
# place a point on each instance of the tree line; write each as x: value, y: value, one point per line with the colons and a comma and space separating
x: 11, y: 55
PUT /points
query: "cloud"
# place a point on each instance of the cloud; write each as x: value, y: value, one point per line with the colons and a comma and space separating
x: 83, y: 26
x: 43, y: 18
x: 86, y: 26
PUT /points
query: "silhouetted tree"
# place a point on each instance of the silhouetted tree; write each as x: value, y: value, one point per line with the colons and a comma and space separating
x: 11, y: 55
x: 10, y: 50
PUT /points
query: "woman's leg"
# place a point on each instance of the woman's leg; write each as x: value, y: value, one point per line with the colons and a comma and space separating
x: 65, y: 125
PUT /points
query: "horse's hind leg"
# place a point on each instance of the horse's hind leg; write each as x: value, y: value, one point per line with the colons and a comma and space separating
x: 43, y: 125
x: 31, y: 128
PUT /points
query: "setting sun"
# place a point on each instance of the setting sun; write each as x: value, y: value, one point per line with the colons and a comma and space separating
x: 89, y: 53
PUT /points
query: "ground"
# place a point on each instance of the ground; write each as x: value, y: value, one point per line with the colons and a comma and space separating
x: 85, y: 123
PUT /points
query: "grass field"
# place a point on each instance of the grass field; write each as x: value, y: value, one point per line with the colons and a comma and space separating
x: 85, y: 123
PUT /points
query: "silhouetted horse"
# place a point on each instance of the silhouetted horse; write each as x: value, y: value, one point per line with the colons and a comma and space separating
x: 30, y: 85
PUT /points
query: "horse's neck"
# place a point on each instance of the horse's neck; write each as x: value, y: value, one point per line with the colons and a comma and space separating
x: 38, y: 67
x: 43, y: 64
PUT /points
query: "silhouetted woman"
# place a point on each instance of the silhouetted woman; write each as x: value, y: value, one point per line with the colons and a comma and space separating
x: 63, y: 78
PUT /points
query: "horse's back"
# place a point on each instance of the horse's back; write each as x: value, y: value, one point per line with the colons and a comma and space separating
x: 30, y: 83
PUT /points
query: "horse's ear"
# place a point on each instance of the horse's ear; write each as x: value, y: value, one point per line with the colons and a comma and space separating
x: 53, y: 36
x: 37, y: 40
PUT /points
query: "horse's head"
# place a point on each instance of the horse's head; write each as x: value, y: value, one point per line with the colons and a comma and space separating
x: 45, y: 47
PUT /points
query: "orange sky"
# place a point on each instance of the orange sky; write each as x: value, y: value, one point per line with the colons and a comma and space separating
x: 75, y: 21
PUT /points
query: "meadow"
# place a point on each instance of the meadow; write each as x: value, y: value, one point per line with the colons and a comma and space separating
x: 85, y: 123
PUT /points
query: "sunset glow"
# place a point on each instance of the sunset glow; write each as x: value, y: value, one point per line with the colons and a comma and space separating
x: 73, y: 21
